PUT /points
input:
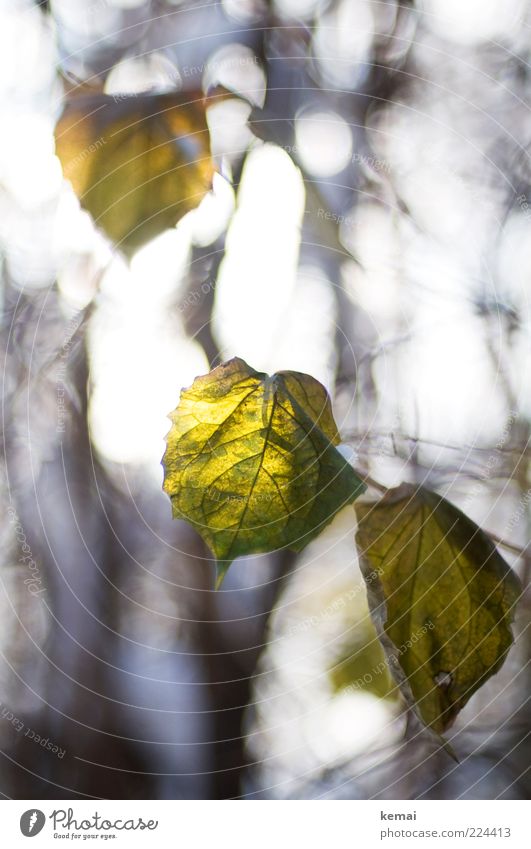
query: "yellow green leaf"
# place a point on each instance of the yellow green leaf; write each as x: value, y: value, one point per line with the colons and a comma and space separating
x: 313, y: 398
x: 250, y: 461
x: 137, y: 163
x: 442, y: 599
x: 363, y: 666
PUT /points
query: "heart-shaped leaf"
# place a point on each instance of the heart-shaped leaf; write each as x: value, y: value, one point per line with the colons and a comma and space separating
x: 442, y: 599
x: 251, y: 462
x: 137, y: 163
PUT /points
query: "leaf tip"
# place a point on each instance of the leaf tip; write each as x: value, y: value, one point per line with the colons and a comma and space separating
x: 222, y: 567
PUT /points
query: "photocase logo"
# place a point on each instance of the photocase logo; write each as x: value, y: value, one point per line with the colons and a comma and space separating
x: 31, y: 822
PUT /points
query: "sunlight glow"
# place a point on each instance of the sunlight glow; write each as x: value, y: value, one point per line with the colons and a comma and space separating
x: 343, y: 42
x: 332, y: 732
x: 28, y: 168
x: 475, y: 20
x: 256, y: 283
x: 324, y: 142
x: 140, y: 357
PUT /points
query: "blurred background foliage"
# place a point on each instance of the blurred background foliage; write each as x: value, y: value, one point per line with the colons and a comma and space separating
x: 369, y: 225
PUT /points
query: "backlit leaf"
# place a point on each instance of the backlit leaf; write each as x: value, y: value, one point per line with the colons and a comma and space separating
x: 251, y: 464
x: 137, y: 163
x: 442, y: 598
x: 363, y: 666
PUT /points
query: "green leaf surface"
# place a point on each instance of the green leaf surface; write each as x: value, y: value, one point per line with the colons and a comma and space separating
x: 442, y: 599
x: 251, y: 463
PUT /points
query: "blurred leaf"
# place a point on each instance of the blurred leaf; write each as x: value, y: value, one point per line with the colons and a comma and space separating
x: 442, y: 599
x: 137, y: 163
x: 363, y: 666
x: 251, y: 464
